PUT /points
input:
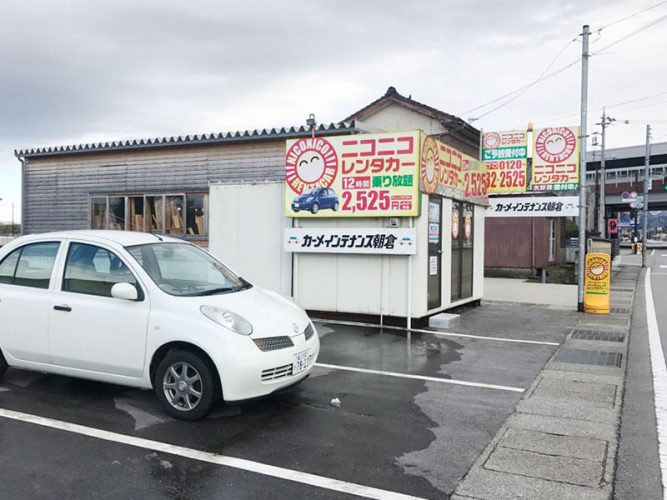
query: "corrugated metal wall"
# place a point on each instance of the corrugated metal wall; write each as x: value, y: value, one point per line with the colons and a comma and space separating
x: 510, y: 242
x: 57, y: 188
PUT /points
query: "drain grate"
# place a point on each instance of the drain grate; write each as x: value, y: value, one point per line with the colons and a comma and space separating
x: 599, y: 335
x: 586, y: 357
x: 614, y: 289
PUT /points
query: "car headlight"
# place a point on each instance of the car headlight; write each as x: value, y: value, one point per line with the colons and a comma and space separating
x: 309, y: 199
x: 228, y: 319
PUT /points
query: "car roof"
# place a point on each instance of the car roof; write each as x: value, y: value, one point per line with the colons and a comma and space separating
x: 123, y: 238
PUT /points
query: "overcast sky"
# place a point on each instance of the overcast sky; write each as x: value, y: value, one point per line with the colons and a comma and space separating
x: 75, y: 71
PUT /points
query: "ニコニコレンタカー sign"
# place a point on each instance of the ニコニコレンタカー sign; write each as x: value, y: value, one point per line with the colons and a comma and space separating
x: 505, y: 154
x: 365, y: 175
x: 555, y: 159
x: 450, y: 173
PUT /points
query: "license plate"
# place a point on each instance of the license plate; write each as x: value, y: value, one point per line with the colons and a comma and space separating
x: 301, y: 362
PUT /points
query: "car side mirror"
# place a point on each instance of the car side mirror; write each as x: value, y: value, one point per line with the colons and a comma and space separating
x: 124, y: 291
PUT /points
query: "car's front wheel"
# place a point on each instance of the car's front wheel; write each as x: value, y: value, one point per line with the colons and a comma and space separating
x: 315, y: 208
x: 335, y: 207
x: 185, y: 385
x: 3, y: 364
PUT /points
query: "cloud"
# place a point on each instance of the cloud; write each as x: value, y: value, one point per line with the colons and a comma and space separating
x: 74, y: 70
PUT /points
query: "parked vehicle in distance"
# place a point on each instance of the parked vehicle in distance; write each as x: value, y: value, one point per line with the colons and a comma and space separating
x: 316, y: 199
x: 148, y: 311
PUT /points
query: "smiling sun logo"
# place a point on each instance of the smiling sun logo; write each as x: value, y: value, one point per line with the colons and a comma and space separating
x: 310, y: 163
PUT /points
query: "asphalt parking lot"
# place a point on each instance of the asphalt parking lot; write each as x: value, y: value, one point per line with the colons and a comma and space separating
x: 415, y: 411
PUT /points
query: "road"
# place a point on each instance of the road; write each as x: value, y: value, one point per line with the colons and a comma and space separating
x: 639, y: 470
x: 415, y: 413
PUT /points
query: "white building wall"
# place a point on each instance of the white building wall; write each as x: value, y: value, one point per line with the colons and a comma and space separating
x: 395, y: 117
x: 246, y: 232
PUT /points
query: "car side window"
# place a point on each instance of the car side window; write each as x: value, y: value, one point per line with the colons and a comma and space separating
x: 30, y: 265
x: 94, y: 270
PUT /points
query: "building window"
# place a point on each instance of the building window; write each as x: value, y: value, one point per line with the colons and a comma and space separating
x: 98, y: 213
x: 552, y: 240
x: 175, y: 225
x: 171, y: 214
x: 116, y: 212
x: 154, y: 214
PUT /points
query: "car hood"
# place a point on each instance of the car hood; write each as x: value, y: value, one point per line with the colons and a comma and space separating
x: 303, y: 197
x: 269, y: 313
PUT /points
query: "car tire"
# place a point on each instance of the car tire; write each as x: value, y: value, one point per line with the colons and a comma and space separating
x: 315, y: 208
x: 335, y: 207
x: 296, y: 210
x: 186, y: 385
x: 3, y: 364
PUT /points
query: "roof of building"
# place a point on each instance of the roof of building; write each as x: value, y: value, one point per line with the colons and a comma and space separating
x: 196, y: 139
x: 628, y: 156
x: 393, y: 97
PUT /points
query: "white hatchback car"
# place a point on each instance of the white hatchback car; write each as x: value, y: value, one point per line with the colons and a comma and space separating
x: 148, y: 311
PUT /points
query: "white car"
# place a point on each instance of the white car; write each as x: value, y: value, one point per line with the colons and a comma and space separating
x: 148, y: 311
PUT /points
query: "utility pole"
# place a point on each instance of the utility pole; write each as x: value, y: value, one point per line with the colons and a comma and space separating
x: 582, y: 168
x: 602, y: 222
x: 647, y: 181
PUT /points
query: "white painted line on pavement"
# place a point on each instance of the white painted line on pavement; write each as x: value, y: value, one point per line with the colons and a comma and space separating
x: 659, y: 378
x: 421, y: 377
x: 432, y: 332
x: 663, y: 266
x: 663, y: 255
x: 652, y: 252
x: 212, y: 458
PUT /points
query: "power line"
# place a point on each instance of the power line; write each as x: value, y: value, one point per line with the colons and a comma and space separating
x: 630, y: 16
x: 633, y: 33
x: 543, y: 76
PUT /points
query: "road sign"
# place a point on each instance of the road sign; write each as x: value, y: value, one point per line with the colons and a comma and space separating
x: 612, y: 226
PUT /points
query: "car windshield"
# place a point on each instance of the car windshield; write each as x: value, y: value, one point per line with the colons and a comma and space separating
x: 313, y: 191
x: 184, y: 270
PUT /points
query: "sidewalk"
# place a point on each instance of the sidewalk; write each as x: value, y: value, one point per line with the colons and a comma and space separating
x: 562, y: 439
x: 523, y: 292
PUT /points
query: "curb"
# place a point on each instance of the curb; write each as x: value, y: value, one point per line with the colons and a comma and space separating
x: 561, y: 441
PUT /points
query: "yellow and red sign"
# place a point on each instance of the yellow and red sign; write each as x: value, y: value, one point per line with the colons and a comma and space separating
x: 369, y: 175
x: 376, y: 175
x: 448, y: 172
x: 555, y: 159
x: 597, y: 283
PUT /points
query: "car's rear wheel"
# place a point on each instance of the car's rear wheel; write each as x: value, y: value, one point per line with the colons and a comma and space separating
x: 3, y: 364
x: 185, y: 385
x: 315, y: 208
x: 335, y: 207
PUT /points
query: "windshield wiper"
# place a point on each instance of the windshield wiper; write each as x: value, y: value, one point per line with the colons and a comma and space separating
x: 212, y: 291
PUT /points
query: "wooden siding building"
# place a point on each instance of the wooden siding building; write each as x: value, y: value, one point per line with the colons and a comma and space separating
x: 158, y: 185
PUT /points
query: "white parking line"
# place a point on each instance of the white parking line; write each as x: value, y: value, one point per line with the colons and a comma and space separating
x: 652, y: 252
x: 421, y: 377
x: 659, y: 378
x: 212, y: 458
x: 663, y: 255
x: 663, y: 266
x: 439, y: 334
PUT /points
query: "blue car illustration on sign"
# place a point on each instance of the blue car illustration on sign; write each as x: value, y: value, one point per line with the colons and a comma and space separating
x: 315, y: 200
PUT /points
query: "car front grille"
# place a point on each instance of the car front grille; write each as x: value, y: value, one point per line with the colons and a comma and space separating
x: 276, y: 373
x: 309, y: 331
x: 273, y: 343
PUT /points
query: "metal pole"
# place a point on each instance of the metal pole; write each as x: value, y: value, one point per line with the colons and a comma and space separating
x: 602, y: 227
x: 647, y: 180
x: 12, y: 218
x: 582, y: 168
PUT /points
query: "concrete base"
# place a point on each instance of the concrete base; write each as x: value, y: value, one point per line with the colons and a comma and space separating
x: 444, y: 320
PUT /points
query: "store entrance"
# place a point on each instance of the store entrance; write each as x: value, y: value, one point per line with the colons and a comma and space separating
x: 462, y: 250
x: 434, y: 252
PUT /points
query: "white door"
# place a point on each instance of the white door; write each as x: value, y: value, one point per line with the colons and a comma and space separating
x: 89, y: 329
x: 25, y: 298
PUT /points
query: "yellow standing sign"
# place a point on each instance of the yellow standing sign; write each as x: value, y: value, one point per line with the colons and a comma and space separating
x: 597, y: 283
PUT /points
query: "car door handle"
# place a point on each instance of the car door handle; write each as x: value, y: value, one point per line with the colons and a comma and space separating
x: 65, y: 308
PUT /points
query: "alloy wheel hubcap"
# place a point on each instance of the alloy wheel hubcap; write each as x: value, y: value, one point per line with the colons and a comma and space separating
x: 182, y: 386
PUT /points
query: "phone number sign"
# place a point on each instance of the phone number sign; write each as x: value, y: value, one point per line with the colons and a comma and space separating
x: 369, y: 175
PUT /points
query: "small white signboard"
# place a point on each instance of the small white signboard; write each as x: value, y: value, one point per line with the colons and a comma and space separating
x: 533, y: 206
x: 401, y: 241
